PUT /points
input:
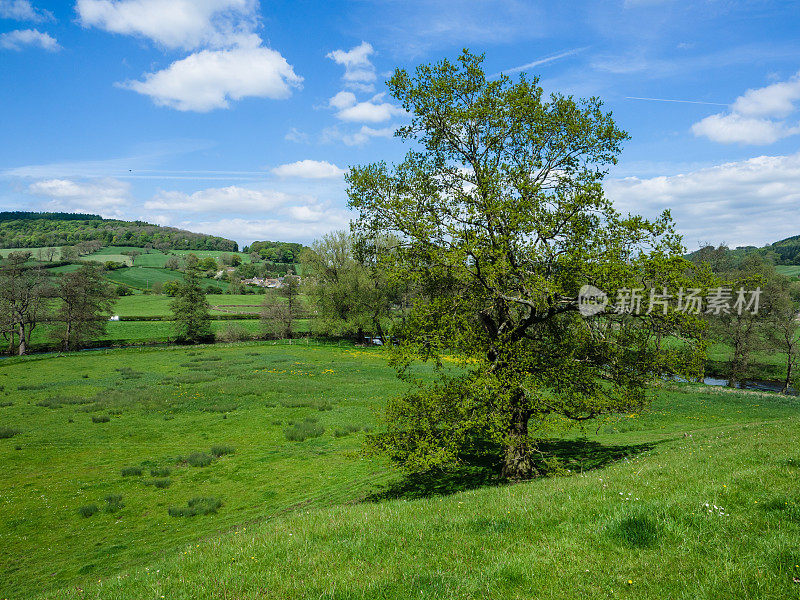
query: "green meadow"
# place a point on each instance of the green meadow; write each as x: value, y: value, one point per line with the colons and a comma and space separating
x: 234, y: 471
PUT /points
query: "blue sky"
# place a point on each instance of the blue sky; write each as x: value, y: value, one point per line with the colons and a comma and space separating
x: 239, y: 118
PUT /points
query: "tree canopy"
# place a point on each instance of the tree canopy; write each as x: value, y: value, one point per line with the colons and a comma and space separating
x: 501, y: 219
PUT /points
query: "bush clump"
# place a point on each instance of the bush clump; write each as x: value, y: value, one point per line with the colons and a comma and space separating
x: 132, y: 471
x: 299, y: 432
x: 101, y: 419
x: 160, y: 472
x: 88, y: 510
x: 196, y: 506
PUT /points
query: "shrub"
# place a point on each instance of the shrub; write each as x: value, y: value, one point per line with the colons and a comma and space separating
x: 132, y: 471
x: 4, y: 404
x: 233, y: 332
x: 113, y: 503
x: 221, y: 450
x: 300, y: 432
x: 161, y: 472
x: 199, y: 459
x: 196, y: 506
x: 8, y: 432
x: 101, y: 419
x: 88, y: 510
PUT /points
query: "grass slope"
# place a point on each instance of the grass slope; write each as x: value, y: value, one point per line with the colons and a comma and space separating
x: 640, y: 519
x: 714, y: 515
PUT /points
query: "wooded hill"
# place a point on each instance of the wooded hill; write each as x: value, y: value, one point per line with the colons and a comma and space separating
x: 783, y: 252
x: 35, y: 230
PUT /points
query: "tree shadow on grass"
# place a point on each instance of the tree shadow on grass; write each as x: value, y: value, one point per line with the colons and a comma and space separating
x: 483, y: 469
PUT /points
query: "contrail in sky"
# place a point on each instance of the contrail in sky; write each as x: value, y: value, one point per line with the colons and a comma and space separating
x: 668, y: 100
x: 543, y: 61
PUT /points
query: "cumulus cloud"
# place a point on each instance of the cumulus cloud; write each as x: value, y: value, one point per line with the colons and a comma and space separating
x: 231, y: 199
x: 23, y: 10
x: 97, y: 195
x: 210, y: 79
x: 359, y: 72
x: 746, y: 202
x: 371, y: 111
x: 186, y: 24
x: 309, y: 169
x: 757, y: 117
x: 21, y: 38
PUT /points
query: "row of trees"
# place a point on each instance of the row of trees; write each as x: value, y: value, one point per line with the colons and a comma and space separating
x: 773, y: 328
x: 76, y: 304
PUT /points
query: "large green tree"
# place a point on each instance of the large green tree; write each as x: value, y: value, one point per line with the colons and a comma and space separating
x: 501, y: 219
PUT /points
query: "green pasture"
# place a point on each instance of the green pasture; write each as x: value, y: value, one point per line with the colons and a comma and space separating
x: 791, y: 271
x: 622, y: 514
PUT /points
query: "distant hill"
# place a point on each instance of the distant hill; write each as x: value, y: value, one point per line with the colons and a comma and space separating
x: 783, y: 252
x: 35, y: 230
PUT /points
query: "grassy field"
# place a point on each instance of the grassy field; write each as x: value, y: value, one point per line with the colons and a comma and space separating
x: 792, y: 271
x: 624, y: 516
x: 144, y: 332
x: 158, y: 305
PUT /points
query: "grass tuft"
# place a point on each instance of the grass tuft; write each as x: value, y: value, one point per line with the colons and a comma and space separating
x: 196, y: 506
x: 113, y: 503
x: 132, y: 471
x: 199, y: 459
x: 8, y: 432
x: 101, y: 419
x: 88, y: 510
x: 221, y: 450
x: 300, y: 432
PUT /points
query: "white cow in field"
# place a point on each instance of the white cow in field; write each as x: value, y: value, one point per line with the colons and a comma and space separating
x: 114, y: 318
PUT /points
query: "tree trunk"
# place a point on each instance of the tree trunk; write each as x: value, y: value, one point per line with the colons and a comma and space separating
x: 518, y: 460
x: 788, y: 381
x: 21, y: 349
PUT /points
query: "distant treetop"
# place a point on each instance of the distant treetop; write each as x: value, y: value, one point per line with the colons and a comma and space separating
x: 18, y: 215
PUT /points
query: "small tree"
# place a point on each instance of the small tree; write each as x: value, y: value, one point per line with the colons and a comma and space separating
x: 190, y: 307
x: 276, y: 318
x: 84, y: 303
x: 782, y: 327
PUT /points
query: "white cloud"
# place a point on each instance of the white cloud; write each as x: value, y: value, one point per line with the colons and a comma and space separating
x: 231, y: 199
x: 359, y: 72
x: 757, y: 117
x: 343, y: 100
x: 776, y: 100
x: 734, y: 128
x: 187, y: 24
x: 746, y: 202
x: 23, y: 10
x: 309, y: 169
x: 19, y: 39
x: 371, y: 111
x: 209, y: 79
x: 103, y: 195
